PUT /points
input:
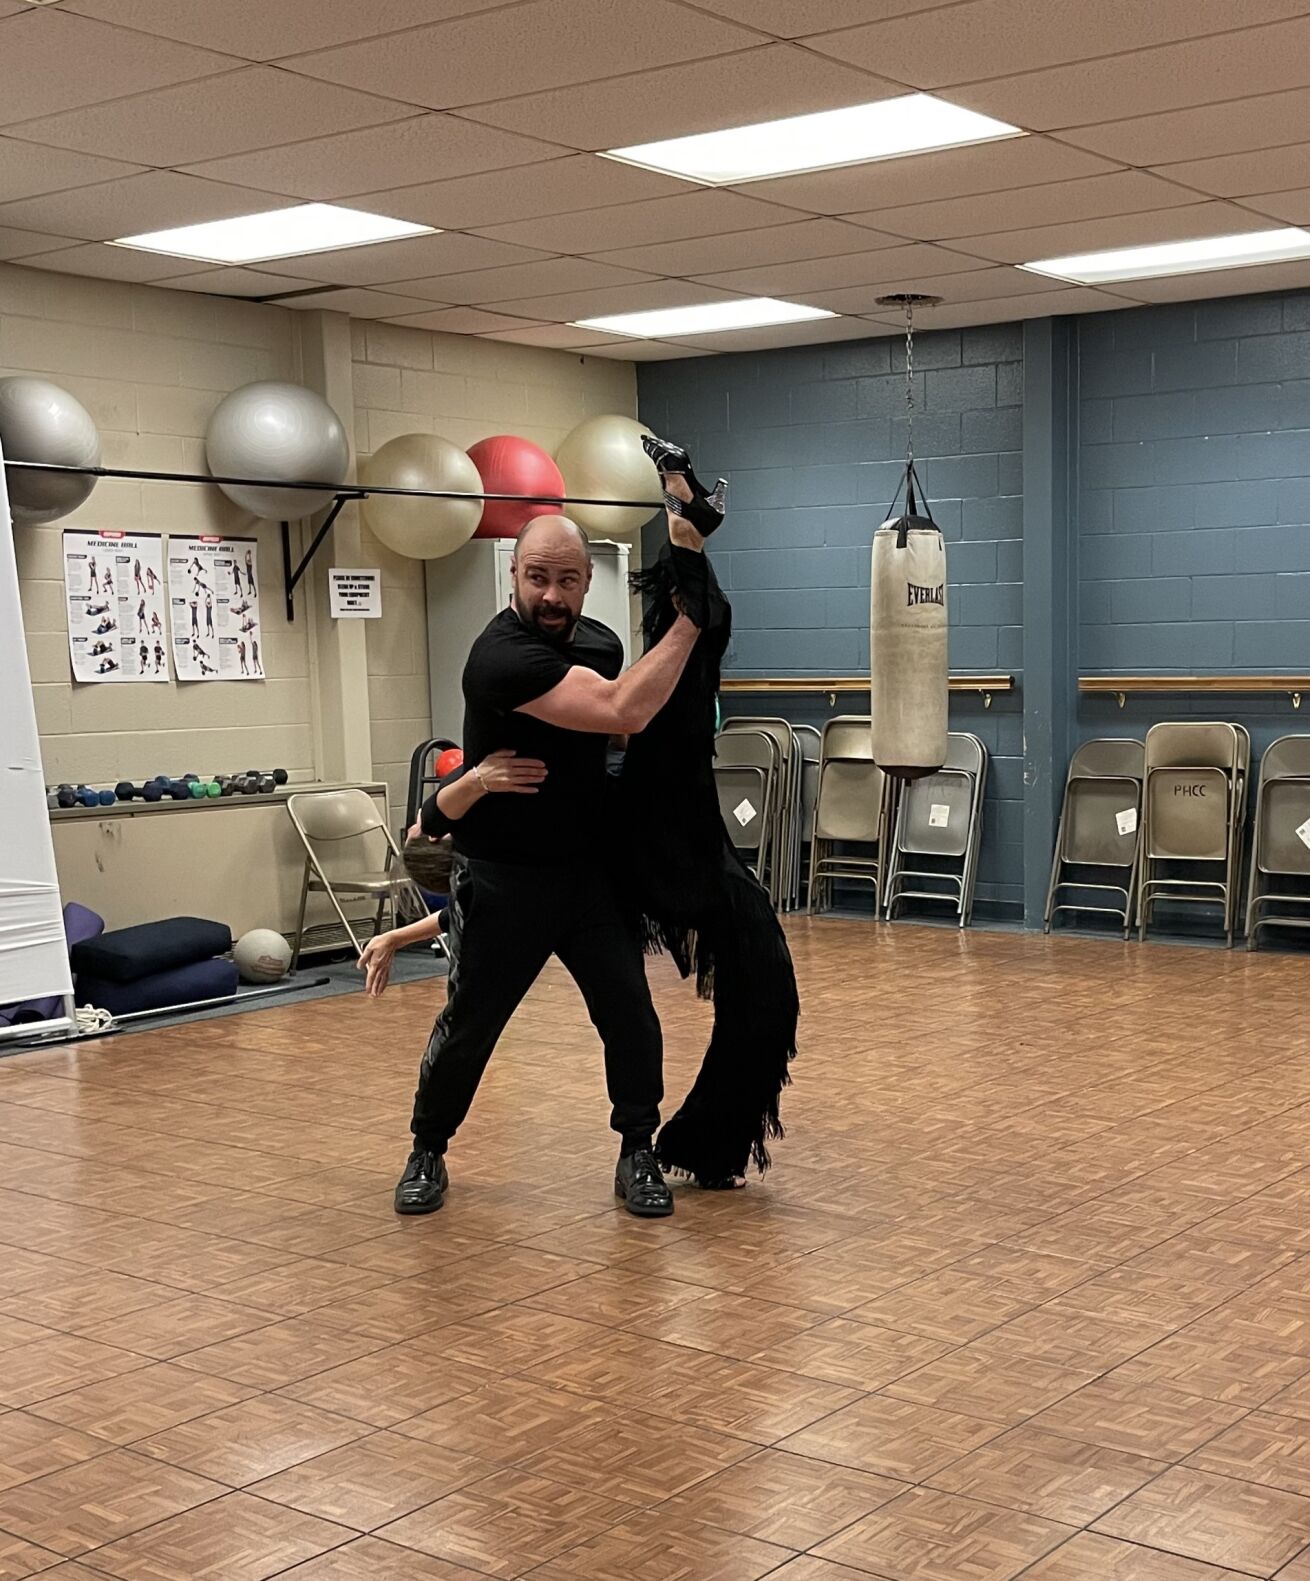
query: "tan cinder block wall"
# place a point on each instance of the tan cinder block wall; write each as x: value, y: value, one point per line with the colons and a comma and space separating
x: 150, y: 365
x: 410, y: 381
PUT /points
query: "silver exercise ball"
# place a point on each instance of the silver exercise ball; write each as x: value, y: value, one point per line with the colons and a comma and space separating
x: 602, y: 459
x: 39, y: 421
x: 420, y: 528
x: 281, y: 432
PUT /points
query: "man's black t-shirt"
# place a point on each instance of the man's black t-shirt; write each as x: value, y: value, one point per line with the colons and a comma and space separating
x: 509, y: 665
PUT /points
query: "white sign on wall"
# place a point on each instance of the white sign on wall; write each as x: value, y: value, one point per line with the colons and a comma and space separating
x: 354, y: 594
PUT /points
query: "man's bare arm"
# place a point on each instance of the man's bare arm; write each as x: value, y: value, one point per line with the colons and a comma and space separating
x: 588, y: 702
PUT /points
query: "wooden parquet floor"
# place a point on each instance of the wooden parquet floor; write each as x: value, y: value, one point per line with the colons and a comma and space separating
x: 1027, y: 1294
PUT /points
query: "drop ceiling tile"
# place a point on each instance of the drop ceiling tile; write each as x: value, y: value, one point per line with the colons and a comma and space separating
x: 525, y: 49
x: 549, y: 277
x: 772, y: 335
x: 547, y: 193
x: 777, y: 244
x: 993, y: 38
x: 692, y: 211
x: 976, y: 285
x: 254, y: 107
x: 357, y: 301
x: 464, y: 321
x: 27, y: 244
x: 796, y: 18
x: 1237, y: 175
x: 646, y: 351
x: 568, y: 306
x: 923, y: 178
x: 55, y: 61
x: 418, y: 258
x: 1266, y: 120
x: 233, y: 281
x: 99, y: 262
x: 256, y: 30
x: 1122, y: 230
x: 1149, y: 81
x: 408, y: 153
x: 12, y: 8
x: 1049, y: 203
x: 1005, y: 310
x: 802, y: 280
x: 1221, y: 282
x: 154, y: 201
x: 761, y: 84
x: 558, y: 337
x: 1290, y: 208
x: 27, y: 170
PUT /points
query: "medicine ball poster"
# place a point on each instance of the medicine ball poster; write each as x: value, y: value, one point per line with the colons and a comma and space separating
x: 114, y: 596
x: 213, y: 588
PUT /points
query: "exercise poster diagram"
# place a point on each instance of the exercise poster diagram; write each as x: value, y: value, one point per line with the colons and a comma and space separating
x: 213, y: 587
x: 114, y: 592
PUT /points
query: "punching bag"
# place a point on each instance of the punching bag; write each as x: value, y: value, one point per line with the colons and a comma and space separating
x: 909, y: 673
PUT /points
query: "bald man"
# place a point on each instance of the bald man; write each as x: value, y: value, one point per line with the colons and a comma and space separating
x: 546, y: 683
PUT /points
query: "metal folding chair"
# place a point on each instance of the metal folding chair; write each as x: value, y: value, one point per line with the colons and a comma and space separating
x: 1281, y: 847
x: 1098, y: 835
x: 940, y: 817
x: 1192, y: 814
x: 325, y: 820
x: 786, y: 833
x: 757, y: 750
x: 850, y: 810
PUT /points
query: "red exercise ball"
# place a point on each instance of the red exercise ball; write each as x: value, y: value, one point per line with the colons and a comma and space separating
x: 450, y: 760
x: 510, y: 465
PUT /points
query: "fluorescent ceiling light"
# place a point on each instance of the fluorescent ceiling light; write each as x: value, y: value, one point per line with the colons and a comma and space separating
x: 912, y: 124
x: 1166, y: 258
x: 277, y: 233
x: 705, y: 318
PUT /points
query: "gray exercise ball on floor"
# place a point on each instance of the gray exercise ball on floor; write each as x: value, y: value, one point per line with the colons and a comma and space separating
x: 40, y: 421
x: 283, y: 433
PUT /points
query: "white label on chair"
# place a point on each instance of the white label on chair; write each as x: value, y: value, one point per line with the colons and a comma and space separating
x: 1303, y: 833
x: 939, y: 815
x: 743, y: 812
x: 1127, y: 820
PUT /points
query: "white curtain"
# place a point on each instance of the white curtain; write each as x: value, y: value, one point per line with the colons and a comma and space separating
x: 33, y: 953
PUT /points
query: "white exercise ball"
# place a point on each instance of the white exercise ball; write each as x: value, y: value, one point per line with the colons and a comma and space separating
x: 39, y: 421
x: 261, y: 956
x: 423, y: 529
x: 602, y: 458
x: 283, y: 433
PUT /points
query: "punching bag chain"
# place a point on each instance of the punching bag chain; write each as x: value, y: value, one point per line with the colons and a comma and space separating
x: 909, y: 382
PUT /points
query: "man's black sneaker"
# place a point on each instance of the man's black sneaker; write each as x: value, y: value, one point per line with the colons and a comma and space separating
x: 422, y: 1188
x: 639, y: 1183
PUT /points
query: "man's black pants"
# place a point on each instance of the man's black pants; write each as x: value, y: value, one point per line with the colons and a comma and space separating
x: 508, y: 922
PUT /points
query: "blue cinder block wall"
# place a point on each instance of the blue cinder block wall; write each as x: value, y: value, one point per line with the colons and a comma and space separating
x: 812, y: 441
x: 1194, y: 505
x: 1171, y: 532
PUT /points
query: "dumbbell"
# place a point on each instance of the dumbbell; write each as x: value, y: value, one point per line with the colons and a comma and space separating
x: 65, y: 796
x: 87, y: 797
x: 176, y: 790
x: 151, y: 790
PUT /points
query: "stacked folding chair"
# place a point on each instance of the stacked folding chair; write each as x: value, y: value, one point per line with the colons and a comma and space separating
x: 850, y: 810
x: 809, y: 742
x: 1280, y: 858
x: 939, y: 822
x: 1096, y: 848
x: 785, y: 836
x: 747, y: 766
x: 1192, y: 815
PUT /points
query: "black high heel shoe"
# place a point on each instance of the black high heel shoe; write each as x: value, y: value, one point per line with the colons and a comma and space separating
x: 705, y: 509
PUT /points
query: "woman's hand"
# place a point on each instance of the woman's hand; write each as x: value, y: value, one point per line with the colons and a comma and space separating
x: 503, y: 773
x: 375, y: 960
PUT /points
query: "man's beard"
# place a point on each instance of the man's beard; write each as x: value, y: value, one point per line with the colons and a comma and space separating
x: 560, y: 631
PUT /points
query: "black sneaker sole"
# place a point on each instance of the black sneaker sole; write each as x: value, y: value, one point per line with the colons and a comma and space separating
x: 640, y: 1212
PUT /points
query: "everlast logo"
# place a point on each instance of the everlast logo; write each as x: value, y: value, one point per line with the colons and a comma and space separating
x: 924, y: 595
